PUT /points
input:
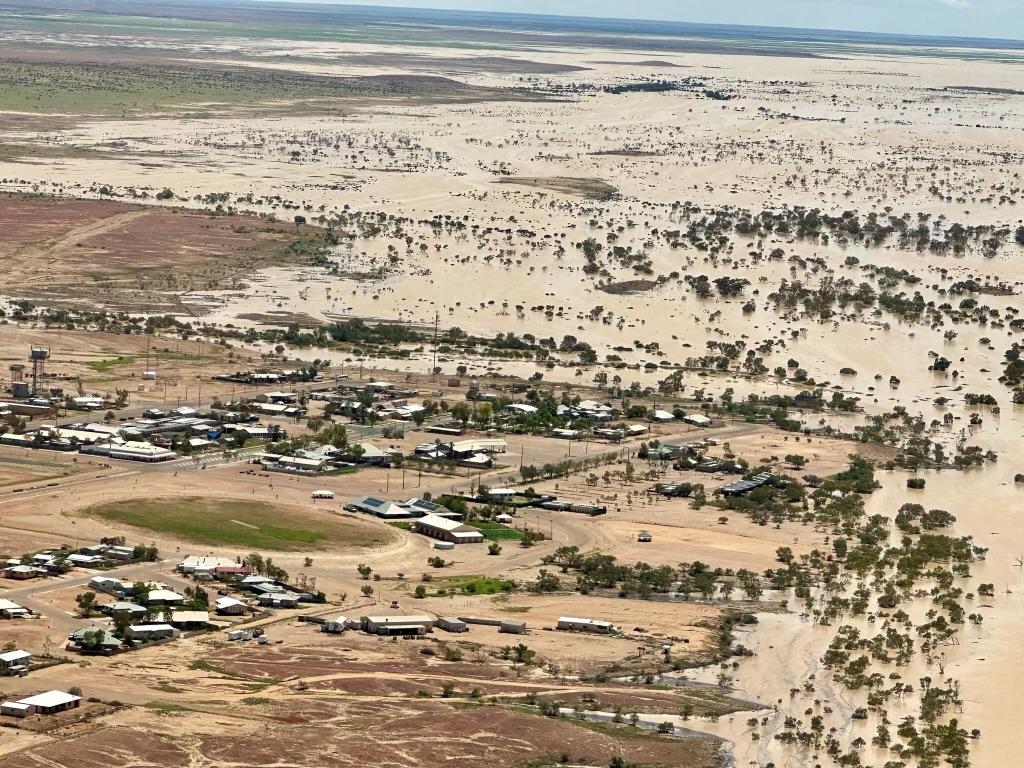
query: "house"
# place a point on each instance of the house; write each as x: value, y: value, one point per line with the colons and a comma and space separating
x: 120, y: 553
x: 11, y: 610
x: 111, y: 586
x: 123, y: 607
x: 442, y: 528
x: 279, y: 600
x: 189, y: 619
x: 12, y: 662
x: 145, y: 633
x: 573, y: 624
x: 397, y: 625
x: 662, y: 416
x: 23, y: 572
x: 94, y: 640
x: 232, y: 572
x: 229, y: 606
x: 697, y: 420
x: 49, y: 703
x: 193, y: 563
x: 86, y: 561
x: 164, y: 597
x: 566, y: 434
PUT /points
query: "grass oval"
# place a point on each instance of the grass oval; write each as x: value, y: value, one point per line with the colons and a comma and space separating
x: 245, y: 523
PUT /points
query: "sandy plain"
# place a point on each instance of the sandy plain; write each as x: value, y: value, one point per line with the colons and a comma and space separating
x: 930, y: 133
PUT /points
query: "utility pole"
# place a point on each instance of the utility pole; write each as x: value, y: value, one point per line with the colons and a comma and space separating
x: 433, y: 367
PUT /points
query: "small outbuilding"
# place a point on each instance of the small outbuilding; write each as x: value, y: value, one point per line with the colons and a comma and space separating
x: 452, y: 624
x: 512, y: 627
x: 573, y: 624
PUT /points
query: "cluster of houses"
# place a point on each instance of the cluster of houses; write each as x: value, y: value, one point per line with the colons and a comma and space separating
x: 476, y: 453
x: 267, y: 592
x: 49, y: 562
x: 429, y: 519
x: 326, y: 459
x: 157, y: 436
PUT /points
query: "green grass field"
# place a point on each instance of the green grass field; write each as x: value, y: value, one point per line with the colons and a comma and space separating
x: 498, y: 532
x: 252, y: 525
x: 474, y: 585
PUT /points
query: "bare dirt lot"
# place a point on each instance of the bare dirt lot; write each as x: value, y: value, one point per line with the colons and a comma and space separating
x: 89, y: 252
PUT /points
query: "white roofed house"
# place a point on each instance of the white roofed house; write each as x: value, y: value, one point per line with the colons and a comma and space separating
x: 49, y: 703
x: 444, y: 529
x: 194, y: 563
x: 13, y: 661
x: 164, y: 597
x: 230, y: 606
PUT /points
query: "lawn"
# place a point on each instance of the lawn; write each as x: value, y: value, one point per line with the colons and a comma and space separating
x: 254, y: 525
x: 474, y: 585
x: 498, y: 532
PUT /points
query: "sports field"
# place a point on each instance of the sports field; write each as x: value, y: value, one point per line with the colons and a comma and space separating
x: 242, y: 523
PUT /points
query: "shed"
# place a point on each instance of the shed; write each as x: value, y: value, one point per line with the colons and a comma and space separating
x: 335, y: 626
x: 397, y: 625
x: 452, y: 624
x: 512, y: 627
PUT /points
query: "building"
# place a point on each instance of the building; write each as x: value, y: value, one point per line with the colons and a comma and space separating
x: 229, y: 606
x: 94, y: 640
x: 11, y: 610
x: 189, y: 619
x: 23, y: 572
x: 382, y: 508
x: 111, y: 586
x: 49, y: 703
x: 743, y: 487
x: 145, y: 633
x: 123, y: 607
x: 447, y: 530
x: 194, y: 563
x: 335, y: 626
x: 573, y: 624
x: 13, y: 662
x: 392, y: 625
x: 452, y: 624
x: 164, y: 597
x: 697, y: 420
x: 512, y: 627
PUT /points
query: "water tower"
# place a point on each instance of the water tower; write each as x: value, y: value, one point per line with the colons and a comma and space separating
x: 38, y: 357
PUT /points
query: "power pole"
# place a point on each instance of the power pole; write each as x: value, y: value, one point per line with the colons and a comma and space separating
x: 433, y: 367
